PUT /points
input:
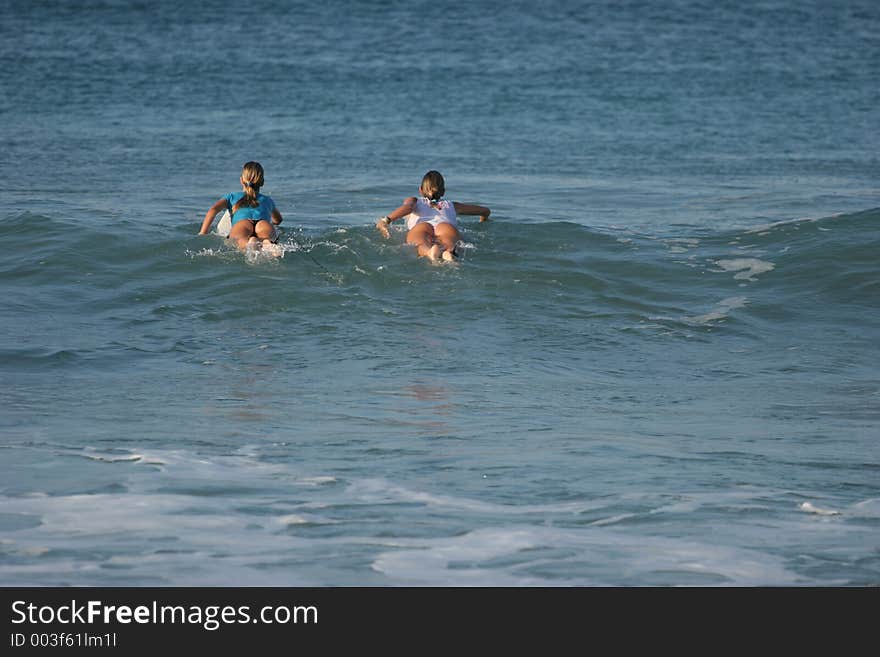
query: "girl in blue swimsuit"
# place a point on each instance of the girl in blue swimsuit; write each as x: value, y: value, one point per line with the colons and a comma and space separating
x: 254, y: 215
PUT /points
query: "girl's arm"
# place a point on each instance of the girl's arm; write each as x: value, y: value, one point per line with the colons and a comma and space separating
x: 276, y: 216
x: 209, y: 216
x: 405, y: 208
x: 466, y: 208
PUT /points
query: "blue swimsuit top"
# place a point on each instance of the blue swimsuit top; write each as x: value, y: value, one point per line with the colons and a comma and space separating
x: 262, y: 211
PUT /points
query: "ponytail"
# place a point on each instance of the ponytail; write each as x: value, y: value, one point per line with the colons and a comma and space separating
x: 252, y: 179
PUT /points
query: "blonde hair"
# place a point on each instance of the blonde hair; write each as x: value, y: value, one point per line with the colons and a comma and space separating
x: 433, y: 186
x: 252, y: 179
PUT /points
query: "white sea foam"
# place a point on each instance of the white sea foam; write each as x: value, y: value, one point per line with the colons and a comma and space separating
x: 379, y: 491
x: 745, y: 268
x: 167, y: 525
x: 203, y: 253
x: 613, y: 520
x: 869, y: 508
x: 112, y: 458
x: 261, y: 255
x: 763, y: 229
x: 809, y: 508
x: 429, y: 563
x: 317, y: 481
x: 530, y: 555
x: 720, y: 311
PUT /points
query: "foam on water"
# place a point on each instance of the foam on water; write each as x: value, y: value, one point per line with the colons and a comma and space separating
x: 540, y: 557
x: 277, y: 517
x: 721, y: 311
x: 746, y: 268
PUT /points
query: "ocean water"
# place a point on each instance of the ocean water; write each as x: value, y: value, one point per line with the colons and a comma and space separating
x: 656, y: 365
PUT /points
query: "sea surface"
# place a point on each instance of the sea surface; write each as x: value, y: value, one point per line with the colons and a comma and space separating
x: 657, y: 365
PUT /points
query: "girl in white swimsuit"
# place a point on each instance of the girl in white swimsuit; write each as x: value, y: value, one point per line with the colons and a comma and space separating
x: 431, y: 220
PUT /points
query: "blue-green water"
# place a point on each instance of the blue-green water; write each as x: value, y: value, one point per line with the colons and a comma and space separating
x: 657, y: 365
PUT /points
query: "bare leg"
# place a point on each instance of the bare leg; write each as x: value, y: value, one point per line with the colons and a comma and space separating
x: 242, y: 232
x: 422, y: 235
x: 448, y: 236
x: 263, y: 230
x: 265, y: 233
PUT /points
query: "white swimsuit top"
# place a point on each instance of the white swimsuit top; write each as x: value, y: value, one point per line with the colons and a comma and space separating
x: 440, y: 212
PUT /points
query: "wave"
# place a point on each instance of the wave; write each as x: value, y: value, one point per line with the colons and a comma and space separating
x: 556, y: 269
